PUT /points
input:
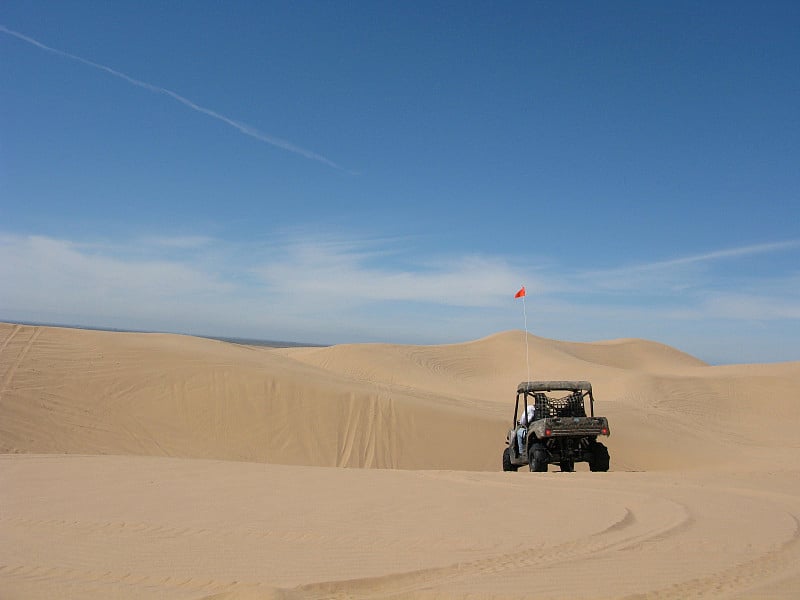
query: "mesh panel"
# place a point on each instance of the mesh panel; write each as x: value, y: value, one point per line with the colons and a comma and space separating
x: 569, y: 406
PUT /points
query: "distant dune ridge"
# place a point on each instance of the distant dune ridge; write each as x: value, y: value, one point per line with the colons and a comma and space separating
x: 696, y: 451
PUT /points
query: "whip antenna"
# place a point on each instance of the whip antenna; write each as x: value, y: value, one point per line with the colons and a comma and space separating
x: 521, y: 294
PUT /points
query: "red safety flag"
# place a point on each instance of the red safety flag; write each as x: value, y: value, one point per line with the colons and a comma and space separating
x: 520, y: 293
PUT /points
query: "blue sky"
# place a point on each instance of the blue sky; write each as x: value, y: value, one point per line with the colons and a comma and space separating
x: 331, y: 172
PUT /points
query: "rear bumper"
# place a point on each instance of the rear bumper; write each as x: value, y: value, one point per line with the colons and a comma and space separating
x: 571, y: 427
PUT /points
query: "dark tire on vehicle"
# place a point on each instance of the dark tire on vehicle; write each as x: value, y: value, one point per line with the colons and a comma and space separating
x: 507, y: 466
x: 599, y: 460
x: 537, y: 458
x: 567, y: 466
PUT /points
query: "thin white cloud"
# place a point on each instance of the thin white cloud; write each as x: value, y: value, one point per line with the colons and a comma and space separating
x: 753, y: 307
x: 56, y: 275
x: 724, y: 254
x: 335, y: 289
x: 183, y: 242
x: 706, y: 257
x: 241, y: 127
x: 674, y: 276
x: 338, y: 270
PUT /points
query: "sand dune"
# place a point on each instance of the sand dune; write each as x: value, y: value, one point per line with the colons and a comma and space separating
x: 149, y: 394
x: 221, y: 472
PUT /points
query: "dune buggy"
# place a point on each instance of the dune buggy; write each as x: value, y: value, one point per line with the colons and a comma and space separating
x: 560, y: 431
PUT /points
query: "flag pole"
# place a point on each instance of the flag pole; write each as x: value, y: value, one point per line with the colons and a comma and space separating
x: 521, y: 294
x: 527, y: 359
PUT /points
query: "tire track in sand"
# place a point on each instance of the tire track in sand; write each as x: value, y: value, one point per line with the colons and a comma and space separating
x: 9, y: 375
x: 14, y: 330
x: 121, y: 579
x: 366, y: 587
x: 737, y: 578
x: 625, y: 530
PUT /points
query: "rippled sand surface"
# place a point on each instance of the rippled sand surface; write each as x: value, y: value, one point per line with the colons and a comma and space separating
x: 161, y: 466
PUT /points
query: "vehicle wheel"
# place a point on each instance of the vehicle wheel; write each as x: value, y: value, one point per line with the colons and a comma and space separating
x: 567, y: 466
x: 599, y: 460
x: 537, y: 458
x: 507, y: 466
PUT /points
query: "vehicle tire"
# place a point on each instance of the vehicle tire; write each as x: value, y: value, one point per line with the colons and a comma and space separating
x: 567, y: 466
x: 599, y: 460
x: 537, y: 458
x: 507, y: 466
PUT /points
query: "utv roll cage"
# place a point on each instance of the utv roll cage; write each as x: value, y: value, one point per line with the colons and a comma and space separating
x: 572, y: 405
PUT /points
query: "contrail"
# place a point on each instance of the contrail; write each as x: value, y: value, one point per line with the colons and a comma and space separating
x: 241, y: 127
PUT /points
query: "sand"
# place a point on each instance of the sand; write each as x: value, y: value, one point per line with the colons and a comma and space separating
x: 162, y: 466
